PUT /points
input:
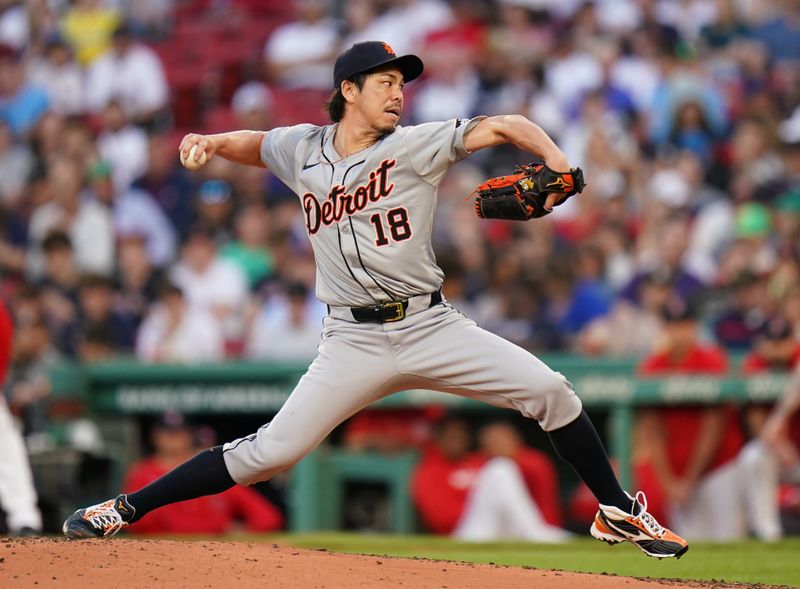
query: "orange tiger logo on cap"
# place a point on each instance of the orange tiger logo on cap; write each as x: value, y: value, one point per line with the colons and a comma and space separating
x: 388, y: 49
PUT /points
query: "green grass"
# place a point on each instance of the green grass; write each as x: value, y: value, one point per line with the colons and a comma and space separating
x: 746, y: 562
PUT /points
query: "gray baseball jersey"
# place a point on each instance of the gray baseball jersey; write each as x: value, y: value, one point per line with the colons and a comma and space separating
x: 369, y: 215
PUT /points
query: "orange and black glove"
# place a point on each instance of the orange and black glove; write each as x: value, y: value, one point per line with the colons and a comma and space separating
x: 522, y: 195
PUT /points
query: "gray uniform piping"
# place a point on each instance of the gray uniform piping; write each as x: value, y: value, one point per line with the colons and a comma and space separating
x: 355, y: 241
x: 346, y: 263
x: 338, y: 231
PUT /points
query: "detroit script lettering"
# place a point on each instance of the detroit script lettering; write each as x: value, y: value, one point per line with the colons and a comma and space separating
x: 340, y: 203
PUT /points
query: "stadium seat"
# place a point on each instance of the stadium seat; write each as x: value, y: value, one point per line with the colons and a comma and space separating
x: 219, y: 120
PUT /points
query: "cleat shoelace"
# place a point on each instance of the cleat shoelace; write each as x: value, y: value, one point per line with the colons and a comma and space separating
x: 648, y: 520
x: 105, y: 518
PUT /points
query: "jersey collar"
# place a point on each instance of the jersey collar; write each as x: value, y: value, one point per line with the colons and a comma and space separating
x: 330, y: 155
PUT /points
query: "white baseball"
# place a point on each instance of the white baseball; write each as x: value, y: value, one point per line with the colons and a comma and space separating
x: 192, y: 164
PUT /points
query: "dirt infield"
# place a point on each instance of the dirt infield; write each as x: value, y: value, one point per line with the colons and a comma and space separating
x: 123, y: 563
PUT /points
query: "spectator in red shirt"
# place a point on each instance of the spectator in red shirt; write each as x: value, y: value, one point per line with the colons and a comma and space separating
x: 389, y: 431
x: 773, y: 455
x: 213, y: 514
x: 443, y: 478
x: 502, y: 440
x: 509, y: 491
x: 775, y: 348
x: 687, y: 464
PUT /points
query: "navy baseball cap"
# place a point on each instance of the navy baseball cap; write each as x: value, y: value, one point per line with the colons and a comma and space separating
x: 366, y: 56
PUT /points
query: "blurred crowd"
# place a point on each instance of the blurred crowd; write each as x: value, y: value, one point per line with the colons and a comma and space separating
x: 684, y: 115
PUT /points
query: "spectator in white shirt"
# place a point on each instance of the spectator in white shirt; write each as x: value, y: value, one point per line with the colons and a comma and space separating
x: 86, y: 221
x: 299, y: 54
x: 210, y: 283
x: 123, y: 145
x: 406, y: 23
x: 359, y: 18
x: 14, y: 24
x: 174, y: 331
x: 131, y: 73
x: 252, y: 104
x: 288, y: 327
x: 572, y: 71
x: 135, y: 213
x: 452, y: 84
x: 59, y: 75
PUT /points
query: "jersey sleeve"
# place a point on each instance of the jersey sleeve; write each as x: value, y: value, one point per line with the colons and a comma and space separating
x: 434, y: 147
x: 279, y: 149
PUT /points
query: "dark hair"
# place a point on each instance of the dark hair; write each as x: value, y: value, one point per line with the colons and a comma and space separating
x: 448, y: 420
x: 28, y: 292
x: 122, y: 31
x: 200, y: 230
x: 56, y: 240
x: 336, y: 102
x: 167, y: 289
x: 678, y: 310
x: 776, y: 328
x: 98, y: 334
x: 94, y: 280
x: 297, y: 290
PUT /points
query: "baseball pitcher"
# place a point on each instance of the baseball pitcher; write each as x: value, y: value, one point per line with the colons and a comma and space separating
x: 367, y: 189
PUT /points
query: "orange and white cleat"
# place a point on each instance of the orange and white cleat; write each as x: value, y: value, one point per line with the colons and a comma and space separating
x: 613, y: 525
x: 99, y: 521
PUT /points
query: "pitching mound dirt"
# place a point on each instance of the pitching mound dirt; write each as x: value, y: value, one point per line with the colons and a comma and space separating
x: 123, y: 563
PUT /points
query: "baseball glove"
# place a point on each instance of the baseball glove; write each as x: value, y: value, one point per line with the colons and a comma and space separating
x: 522, y: 195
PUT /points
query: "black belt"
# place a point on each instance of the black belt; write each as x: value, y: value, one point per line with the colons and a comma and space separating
x: 388, y: 312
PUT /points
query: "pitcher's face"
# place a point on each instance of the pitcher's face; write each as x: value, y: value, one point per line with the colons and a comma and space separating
x: 380, y: 102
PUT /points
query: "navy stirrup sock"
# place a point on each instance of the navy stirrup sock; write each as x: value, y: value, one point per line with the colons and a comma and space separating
x: 578, y: 444
x: 205, y: 474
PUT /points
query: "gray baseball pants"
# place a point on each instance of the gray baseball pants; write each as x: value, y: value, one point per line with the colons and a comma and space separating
x: 434, y: 348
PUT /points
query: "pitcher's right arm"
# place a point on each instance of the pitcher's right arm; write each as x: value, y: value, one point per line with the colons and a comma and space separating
x: 240, y: 147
